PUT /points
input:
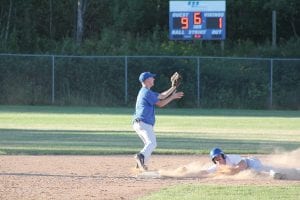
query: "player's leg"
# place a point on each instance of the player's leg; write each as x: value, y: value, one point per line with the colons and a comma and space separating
x: 147, y: 135
x: 254, y: 164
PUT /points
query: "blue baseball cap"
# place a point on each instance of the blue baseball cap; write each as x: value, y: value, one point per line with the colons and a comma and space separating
x: 215, y: 152
x: 145, y: 75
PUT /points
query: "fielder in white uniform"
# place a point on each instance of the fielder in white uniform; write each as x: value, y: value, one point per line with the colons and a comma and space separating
x: 144, y: 116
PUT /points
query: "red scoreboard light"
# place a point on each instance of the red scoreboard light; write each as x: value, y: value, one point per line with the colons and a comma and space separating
x: 204, y: 20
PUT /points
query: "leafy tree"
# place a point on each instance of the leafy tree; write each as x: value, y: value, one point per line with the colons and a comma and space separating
x: 287, y: 16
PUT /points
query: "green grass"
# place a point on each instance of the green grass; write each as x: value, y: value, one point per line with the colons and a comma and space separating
x: 38, y: 130
x: 94, y: 130
x: 210, y: 192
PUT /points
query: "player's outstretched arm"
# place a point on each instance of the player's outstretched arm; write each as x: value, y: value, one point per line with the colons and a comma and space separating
x: 231, y: 170
x: 175, y: 82
x: 167, y: 93
x: 164, y: 102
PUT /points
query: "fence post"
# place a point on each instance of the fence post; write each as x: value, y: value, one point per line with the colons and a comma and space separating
x: 53, y: 79
x: 198, y: 81
x: 271, y: 85
x: 274, y: 28
x: 126, y: 77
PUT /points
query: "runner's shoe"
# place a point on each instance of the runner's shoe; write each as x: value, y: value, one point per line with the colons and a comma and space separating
x: 277, y: 175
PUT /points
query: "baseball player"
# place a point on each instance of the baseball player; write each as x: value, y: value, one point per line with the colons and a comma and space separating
x: 225, y: 164
x: 235, y: 163
x: 144, y: 116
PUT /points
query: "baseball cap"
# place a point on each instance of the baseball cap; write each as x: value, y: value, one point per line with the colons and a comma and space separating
x: 145, y: 75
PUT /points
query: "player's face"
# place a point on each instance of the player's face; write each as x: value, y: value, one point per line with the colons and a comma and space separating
x: 150, y: 81
x: 220, y: 160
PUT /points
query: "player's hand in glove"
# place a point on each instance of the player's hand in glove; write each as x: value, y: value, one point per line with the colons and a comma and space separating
x: 176, y: 79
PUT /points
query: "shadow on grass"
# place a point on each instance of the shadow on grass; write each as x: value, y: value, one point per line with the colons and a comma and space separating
x: 62, y: 142
x: 129, y: 111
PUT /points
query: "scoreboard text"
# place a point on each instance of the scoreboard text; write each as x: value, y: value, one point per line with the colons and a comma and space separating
x: 202, y: 20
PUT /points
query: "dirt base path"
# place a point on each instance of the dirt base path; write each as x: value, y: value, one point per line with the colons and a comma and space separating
x: 99, y: 177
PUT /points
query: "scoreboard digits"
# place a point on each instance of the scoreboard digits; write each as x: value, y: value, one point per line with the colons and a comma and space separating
x: 204, y: 20
x: 197, y: 18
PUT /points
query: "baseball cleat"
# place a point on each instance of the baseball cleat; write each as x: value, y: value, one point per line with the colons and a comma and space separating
x: 277, y: 175
x: 140, y: 160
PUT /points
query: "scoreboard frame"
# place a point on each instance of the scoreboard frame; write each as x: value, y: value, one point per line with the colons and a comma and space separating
x: 197, y: 20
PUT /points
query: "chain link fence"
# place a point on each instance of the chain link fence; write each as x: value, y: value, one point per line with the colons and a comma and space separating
x: 208, y: 82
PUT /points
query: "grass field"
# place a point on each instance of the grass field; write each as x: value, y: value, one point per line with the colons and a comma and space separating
x: 209, y: 192
x: 38, y: 130
x: 93, y: 131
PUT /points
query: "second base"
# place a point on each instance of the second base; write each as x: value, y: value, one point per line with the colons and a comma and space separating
x: 149, y: 174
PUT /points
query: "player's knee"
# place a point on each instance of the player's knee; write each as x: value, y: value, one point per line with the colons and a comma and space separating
x: 153, y: 144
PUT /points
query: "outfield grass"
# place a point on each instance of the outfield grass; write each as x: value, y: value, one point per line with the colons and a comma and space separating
x: 93, y: 130
x: 209, y: 192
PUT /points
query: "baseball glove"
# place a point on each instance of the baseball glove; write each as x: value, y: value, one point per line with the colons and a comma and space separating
x: 176, y: 79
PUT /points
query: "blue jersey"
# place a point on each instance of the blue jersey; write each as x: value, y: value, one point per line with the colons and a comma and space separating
x: 145, y: 106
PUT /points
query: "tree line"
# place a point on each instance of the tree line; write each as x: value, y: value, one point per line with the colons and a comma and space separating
x: 135, y: 27
x: 139, y: 27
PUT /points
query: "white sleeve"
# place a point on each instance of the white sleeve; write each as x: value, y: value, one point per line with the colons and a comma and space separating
x: 212, y: 169
x: 233, y: 159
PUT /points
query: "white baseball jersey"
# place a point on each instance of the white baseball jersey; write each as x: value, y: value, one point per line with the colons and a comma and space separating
x: 233, y: 160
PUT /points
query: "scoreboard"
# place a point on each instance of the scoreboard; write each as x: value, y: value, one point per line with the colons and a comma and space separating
x: 197, y: 20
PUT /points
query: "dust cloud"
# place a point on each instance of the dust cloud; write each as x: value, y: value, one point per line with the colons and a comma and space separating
x: 193, y: 169
x: 285, y: 159
x: 286, y: 163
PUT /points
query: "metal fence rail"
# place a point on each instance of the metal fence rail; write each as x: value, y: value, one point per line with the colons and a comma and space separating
x: 57, y: 73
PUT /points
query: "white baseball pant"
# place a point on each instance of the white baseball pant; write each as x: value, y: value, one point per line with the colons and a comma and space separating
x: 147, y: 135
x: 255, y: 164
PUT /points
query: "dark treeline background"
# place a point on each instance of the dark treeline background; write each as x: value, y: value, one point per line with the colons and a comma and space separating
x: 140, y: 27
x: 135, y: 27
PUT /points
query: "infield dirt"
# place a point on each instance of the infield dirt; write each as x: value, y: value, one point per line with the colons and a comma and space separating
x: 111, y: 177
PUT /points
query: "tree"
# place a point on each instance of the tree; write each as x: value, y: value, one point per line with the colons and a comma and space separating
x: 81, y: 7
x: 288, y: 16
x: 8, y: 21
